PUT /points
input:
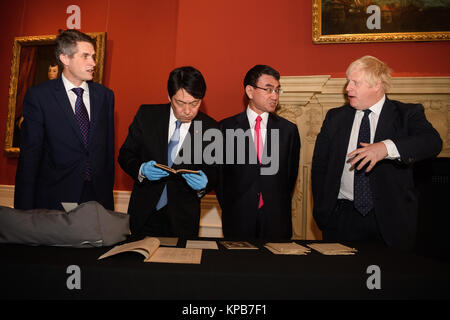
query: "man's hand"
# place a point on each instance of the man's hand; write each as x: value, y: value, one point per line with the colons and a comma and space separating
x: 369, y: 153
x: 151, y: 172
x: 196, y: 181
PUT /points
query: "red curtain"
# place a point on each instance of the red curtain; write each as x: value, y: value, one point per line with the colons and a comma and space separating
x: 27, y: 70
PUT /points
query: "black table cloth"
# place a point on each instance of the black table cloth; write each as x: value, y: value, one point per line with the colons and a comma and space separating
x: 42, y: 273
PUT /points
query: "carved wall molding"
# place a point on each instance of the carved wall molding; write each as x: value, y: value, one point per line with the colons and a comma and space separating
x: 306, y: 100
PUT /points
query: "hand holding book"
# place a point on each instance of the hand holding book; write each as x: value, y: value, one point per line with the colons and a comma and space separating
x: 196, y: 181
x: 152, y: 172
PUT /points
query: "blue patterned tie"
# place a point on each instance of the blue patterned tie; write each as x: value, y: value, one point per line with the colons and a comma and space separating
x: 362, y: 193
x: 171, y: 155
x: 82, y: 117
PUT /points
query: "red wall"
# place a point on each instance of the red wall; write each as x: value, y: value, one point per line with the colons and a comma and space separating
x: 223, y: 39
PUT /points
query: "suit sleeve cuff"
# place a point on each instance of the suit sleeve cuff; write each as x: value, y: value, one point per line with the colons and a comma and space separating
x: 393, y: 153
x: 141, y: 177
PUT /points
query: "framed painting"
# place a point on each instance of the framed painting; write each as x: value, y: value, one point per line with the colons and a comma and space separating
x: 34, y: 61
x: 347, y: 21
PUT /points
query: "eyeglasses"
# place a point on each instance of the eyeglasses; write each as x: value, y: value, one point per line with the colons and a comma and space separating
x: 270, y: 90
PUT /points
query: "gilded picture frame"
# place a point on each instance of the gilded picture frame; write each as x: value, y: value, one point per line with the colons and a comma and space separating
x: 356, y: 21
x: 33, y: 61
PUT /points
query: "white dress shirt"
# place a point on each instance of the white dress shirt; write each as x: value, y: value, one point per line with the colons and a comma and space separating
x: 347, y: 179
x: 184, y: 129
x: 73, y: 97
x: 252, y: 115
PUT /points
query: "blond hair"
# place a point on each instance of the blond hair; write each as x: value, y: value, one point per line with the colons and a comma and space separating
x: 374, y: 70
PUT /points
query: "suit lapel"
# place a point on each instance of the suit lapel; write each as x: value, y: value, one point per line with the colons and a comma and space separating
x: 273, y: 123
x: 64, y: 103
x: 192, y: 142
x: 385, y: 120
x: 243, y: 123
x: 163, y: 132
x: 95, y: 106
x: 345, y: 128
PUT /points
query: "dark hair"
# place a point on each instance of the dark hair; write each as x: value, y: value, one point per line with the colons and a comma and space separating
x: 66, y: 42
x: 189, y: 79
x: 252, y: 76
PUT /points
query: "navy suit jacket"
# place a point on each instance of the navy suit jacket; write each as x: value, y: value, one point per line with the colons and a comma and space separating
x: 53, y: 158
x: 148, y: 140
x: 394, y: 195
x: 241, y: 182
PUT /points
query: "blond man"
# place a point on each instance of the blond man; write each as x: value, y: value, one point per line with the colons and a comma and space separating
x: 362, y: 179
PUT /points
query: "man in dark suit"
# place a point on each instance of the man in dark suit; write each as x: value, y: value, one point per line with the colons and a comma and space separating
x: 261, y: 155
x: 362, y: 179
x: 164, y: 204
x: 67, y: 141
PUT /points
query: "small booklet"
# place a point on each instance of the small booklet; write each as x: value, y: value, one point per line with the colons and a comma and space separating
x: 238, y: 245
x: 332, y: 248
x: 150, y: 248
x: 287, y: 248
x: 174, y: 171
x: 201, y: 244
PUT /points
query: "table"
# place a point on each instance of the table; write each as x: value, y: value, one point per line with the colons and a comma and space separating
x: 43, y: 273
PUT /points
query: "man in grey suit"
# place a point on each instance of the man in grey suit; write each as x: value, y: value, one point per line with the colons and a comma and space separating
x: 362, y: 179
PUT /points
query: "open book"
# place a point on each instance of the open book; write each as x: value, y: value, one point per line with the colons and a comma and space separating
x: 150, y: 248
x: 174, y: 171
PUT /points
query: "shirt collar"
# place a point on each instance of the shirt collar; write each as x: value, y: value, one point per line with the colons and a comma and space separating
x: 69, y: 85
x: 252, y: 115
x: 376, y: 108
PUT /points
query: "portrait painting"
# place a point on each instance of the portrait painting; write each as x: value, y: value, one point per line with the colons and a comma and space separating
x: 33, y: 62
x: 342, y: 21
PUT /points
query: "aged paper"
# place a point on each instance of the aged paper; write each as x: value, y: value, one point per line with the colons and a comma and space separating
x: 332, y: 248
x: 150, y: 248
x: 201, y: 244
x: 287, y: 248
x: 176, y: 255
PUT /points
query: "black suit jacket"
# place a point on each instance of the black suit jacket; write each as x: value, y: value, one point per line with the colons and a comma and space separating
x: 394, y: 195
x: 241, y: 181
x: 148, y: 140
x: 53, y: 158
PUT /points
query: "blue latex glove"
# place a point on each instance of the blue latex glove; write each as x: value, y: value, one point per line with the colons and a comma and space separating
x: 196, y: 181
x: 151, y: 172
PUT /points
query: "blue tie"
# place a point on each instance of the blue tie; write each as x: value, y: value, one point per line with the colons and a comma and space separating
x: 171, y: 155
x: 362, y: 194
x: 82, y: 117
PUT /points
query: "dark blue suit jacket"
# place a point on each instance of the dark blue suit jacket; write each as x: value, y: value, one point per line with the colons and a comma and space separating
x: 148, y: 140
x: 242, y: 180
x: 395, y: 199
x: 53, y: 158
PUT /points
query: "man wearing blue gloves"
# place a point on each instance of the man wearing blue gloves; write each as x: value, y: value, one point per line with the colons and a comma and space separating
x: 163, y: 203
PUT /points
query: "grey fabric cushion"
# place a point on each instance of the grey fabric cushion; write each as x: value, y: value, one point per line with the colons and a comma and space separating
x: 88, y: 225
